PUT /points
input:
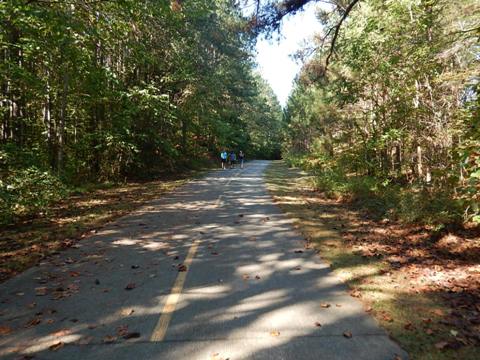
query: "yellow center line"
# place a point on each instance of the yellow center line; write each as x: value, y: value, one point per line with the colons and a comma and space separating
x: 172, y: 300
x: 160, y: 329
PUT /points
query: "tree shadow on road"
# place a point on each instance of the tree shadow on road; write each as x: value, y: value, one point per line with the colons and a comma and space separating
x: 254, y: 290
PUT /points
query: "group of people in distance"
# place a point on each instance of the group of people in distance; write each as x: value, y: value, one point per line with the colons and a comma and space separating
x: 229, y: 159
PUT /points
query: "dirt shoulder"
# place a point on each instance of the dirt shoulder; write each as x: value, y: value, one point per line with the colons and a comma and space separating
x: 423, y: 289
x: 27, y: 242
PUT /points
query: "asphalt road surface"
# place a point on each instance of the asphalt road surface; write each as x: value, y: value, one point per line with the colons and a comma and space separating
x: 211, y: 271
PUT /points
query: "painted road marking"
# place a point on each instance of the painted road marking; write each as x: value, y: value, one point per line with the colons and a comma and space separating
x: 160, y: 329
x: 172, y: 300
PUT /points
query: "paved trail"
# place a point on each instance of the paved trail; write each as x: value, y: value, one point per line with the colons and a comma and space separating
x: 245, y: 294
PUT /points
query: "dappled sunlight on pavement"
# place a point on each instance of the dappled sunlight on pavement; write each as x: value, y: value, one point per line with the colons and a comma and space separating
x: 252, y: 289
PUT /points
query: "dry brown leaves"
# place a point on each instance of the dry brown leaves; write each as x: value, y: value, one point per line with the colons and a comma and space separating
x: 275, y: 333
x: 5, y: 330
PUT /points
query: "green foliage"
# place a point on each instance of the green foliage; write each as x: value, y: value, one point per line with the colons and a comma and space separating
x: 103, y: 90
x: 28, y: 192
x: 395, y: 123
x: 380, y: 197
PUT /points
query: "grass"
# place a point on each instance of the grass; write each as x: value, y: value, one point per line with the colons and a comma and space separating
x: 89, y: 207
x: 370, y: 258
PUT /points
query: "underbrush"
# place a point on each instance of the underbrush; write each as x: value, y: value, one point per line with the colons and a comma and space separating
x: 422, y: 289
x: 29, y: 191
x: 383, y: 198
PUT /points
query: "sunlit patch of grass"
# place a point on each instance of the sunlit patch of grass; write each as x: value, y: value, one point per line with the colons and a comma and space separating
x: 411, y: 316
x: 27, y: 242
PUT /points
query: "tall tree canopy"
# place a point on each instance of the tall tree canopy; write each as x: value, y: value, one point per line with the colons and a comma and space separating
x: 105, y: 89
x: 400, y: 101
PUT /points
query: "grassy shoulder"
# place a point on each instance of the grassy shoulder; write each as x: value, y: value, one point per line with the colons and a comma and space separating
x: 60, y: 225
x: 424, y: 293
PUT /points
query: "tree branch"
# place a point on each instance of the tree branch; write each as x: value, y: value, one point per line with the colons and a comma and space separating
x: 274, y: 13
x: 348, y: 9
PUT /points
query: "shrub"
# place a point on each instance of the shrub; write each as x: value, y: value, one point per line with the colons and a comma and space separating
x: 26, y: 192
x: 381, y: 197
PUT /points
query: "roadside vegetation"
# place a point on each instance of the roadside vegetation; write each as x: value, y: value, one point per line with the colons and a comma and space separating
x: 103, y: 103
x: 80, y: 213
x: 394, y: 123
x: 382, y: 165
x: 423, y: 290
x: 109, y: 91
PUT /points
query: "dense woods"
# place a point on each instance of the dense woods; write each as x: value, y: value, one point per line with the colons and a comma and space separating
x: 393, y: 121
x: 103, y: 90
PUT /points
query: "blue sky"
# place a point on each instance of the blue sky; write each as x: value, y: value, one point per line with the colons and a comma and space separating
x: 274, y: 56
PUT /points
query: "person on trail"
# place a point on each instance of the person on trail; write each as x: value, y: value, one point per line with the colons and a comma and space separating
x: 233, y: 160
x: 241, y: 157
x: 223, y: 158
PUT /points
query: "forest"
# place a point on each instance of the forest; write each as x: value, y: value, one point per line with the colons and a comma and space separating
x: 96, y: 91
x: 393, y: 122
x: 358, y: 239
x: 384, y: 111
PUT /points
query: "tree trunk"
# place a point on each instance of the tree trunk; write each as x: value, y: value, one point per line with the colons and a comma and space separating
x: 61, y: 123
x: 419, y: 162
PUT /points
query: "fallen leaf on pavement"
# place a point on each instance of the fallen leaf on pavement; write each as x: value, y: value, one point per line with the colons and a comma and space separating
x: 347, y: 334
x: 33, y: 322
x: 324, y: 305
x: 182, y: 268
x: 122, y: 330
x: 355, y: 293
x: 130, y: 286
x: 56, y: 346
x: 109, y: 339
x: 275, y: 333
x: 131, y: 335
x: 41, y: 291
x: 5, y: 330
